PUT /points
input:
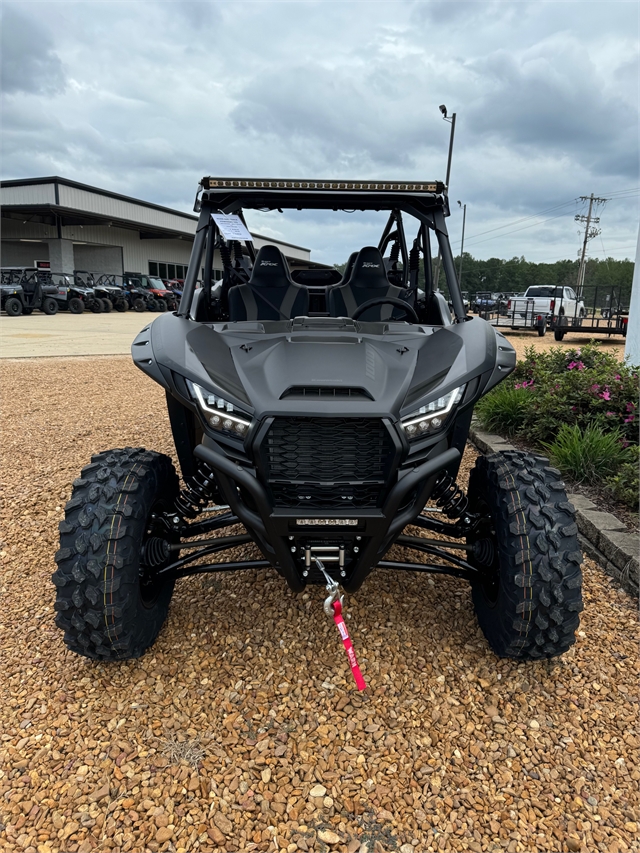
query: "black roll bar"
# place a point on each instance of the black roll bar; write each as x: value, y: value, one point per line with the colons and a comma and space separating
x: 194, y: 262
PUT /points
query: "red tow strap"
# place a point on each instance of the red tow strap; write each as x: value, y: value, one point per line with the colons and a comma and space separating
x: 348, y: 645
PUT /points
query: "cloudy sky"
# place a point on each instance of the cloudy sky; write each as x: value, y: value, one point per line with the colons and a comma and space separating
x: 144, y: 98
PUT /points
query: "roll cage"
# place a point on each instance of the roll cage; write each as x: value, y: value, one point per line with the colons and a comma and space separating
x: 426, y: 202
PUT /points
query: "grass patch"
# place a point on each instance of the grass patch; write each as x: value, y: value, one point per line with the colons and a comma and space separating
x: 589, y: 455
x: 505, y: 410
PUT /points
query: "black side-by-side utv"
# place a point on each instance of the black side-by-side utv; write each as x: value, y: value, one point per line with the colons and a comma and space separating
x: 329, y: 419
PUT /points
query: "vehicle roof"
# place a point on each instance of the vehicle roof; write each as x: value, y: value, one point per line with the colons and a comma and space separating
x: 233, y: 193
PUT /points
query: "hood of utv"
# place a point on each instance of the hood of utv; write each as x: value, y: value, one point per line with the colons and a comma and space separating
x: 382, y: 370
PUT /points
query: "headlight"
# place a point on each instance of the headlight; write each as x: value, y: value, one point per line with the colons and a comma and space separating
x: 219, y: 413
x: 431, y: 417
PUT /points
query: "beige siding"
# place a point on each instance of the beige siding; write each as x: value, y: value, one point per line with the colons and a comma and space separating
x: 104, y: 205
x: 29, y: 194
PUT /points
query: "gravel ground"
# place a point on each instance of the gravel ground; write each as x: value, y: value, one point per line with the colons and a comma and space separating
x: 521, y: 340
x: 242, y: 730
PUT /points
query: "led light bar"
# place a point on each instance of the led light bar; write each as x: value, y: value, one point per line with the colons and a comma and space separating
x: 357, y: 186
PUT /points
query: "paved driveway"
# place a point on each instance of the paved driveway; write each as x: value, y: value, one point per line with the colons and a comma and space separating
x: 70, y: 334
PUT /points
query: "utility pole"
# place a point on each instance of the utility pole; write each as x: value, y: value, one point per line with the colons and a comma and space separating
x: 464, y: 219
x: 589, y: 234
x: 452, y: 121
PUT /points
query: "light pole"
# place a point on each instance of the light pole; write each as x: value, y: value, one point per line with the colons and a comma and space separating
x: 464, y: 219
x: 452, y: 121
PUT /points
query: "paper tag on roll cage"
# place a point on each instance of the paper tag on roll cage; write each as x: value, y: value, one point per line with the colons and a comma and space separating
x: 231, y: 226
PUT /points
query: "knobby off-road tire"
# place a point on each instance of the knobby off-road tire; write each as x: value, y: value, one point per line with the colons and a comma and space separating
x: 107, y: 305
x: 13, y: 307
x: 49, y: 306
x: 106, y: 607
x: 528, y: 607
x: 139, y: 305
x: 75, y: 305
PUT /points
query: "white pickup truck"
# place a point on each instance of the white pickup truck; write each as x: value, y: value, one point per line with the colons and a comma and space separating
x: 548, y: 301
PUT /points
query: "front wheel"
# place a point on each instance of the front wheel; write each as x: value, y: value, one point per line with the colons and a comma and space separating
x: 110, y: 605
x: 120, y: 305
x: 49, y: 306
x: 529, y: 593
x: 107, y: 305
x: 13, y: 307
x: 95, y: 306
x: 75, y: 305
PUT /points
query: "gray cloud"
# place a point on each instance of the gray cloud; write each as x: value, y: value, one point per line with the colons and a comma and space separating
x: 29, y: 61
x: 154, y: 95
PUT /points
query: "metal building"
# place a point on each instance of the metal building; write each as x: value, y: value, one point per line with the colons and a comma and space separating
x: 75, y: 226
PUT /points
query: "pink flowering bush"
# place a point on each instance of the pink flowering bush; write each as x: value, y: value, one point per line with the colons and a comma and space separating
x: 582, y: 387
x: 582, y: 391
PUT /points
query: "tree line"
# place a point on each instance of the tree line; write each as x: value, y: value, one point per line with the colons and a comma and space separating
x: 517, y: 274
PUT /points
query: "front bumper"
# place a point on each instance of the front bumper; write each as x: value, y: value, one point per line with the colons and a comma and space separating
x: 290, y: 544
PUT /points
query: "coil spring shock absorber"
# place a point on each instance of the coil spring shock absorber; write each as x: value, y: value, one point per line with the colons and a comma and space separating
x: 414, y: 257
x: 225, y: 254
x: 196, y: 492
x: 449, y: 496
x: 394, y: 255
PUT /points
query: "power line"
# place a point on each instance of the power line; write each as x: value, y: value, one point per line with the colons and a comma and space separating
x: 630, y: 191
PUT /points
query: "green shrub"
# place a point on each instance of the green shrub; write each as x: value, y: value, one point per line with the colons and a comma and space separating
x: 504, y: 410
x: 583, y: 387
x: 587, y: 455
x: 624, y: 486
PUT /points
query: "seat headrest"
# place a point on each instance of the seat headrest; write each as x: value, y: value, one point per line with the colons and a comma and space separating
x: 368, y: 269
x: 270, y: 269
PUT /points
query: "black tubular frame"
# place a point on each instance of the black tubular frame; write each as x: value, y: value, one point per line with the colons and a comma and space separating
x: 429, y: 208
x: 457, y: 567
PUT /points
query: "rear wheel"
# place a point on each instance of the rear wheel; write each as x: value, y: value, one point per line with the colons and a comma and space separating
x: 529, y: 598
x: 558, y: 334
x: 152, y: 305
x: 49, y: 306
x: 161, y: 305
x: 120, y: 305
x: 542, y: 327
x: 13, y: 307
x: 110, y: 605
x: 107, y: 305
x: 95, y: 306
x: 75, y: 305
x: 139, y: 305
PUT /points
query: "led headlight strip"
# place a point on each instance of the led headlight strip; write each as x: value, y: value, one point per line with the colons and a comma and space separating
x: 431, y: 417
x: 219, y: 413
x: 358, y: 186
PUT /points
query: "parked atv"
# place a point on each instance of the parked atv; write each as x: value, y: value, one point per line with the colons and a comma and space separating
x: 110, y: 288
x: 328, y: 437
x: 136, y: 297
x: 85, y: 281
x: 69, y: 297
x: 26, y: 289
x: 160, y: 299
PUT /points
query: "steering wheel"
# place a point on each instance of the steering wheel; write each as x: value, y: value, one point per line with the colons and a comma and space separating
x: 386, y: 300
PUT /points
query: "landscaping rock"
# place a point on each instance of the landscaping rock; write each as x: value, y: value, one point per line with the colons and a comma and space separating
x: 437, y: 754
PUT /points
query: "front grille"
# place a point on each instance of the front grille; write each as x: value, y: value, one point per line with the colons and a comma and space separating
x: 327, y: 462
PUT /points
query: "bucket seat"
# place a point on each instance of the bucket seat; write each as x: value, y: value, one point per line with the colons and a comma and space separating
x: 368, y: 280
x: 270, y: 293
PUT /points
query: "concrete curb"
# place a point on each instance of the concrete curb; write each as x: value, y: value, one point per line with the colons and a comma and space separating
x: 603, y: 537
